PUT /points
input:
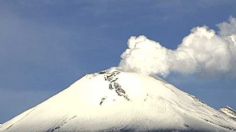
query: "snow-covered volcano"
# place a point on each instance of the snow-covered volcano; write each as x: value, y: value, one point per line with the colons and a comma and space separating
x: 121, y: 101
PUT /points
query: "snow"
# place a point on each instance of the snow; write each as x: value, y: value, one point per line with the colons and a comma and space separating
x: 117, y: 100
x: 230, y: 112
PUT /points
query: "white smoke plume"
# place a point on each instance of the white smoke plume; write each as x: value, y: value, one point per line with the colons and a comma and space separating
x: 202, y: 51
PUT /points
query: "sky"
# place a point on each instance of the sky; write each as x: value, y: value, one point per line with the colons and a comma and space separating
x: 46, y: 45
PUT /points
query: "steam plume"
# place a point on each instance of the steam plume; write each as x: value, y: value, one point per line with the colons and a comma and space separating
x: 202, y: 51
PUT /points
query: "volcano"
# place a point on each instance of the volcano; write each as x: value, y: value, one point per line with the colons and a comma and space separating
x: 114, y: 100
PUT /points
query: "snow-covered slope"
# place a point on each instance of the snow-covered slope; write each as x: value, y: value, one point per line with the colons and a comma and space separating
x: 120, y: 101
x: 230, y: 112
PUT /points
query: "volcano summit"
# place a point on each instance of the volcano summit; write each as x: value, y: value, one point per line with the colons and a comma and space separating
x: 114, y: 100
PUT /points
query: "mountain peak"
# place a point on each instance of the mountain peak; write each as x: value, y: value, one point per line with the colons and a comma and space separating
x: 114, y: 100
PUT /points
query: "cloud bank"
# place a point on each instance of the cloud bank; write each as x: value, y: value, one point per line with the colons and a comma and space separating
x: 202, y: 51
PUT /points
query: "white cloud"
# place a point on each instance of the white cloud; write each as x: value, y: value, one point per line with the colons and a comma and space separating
x: 202, y: 51
x: 228, y: 28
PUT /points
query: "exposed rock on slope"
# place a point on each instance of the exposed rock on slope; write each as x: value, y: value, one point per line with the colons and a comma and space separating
x: 230, y: 112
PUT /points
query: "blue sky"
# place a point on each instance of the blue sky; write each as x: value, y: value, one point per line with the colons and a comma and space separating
x: 46, y: 45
